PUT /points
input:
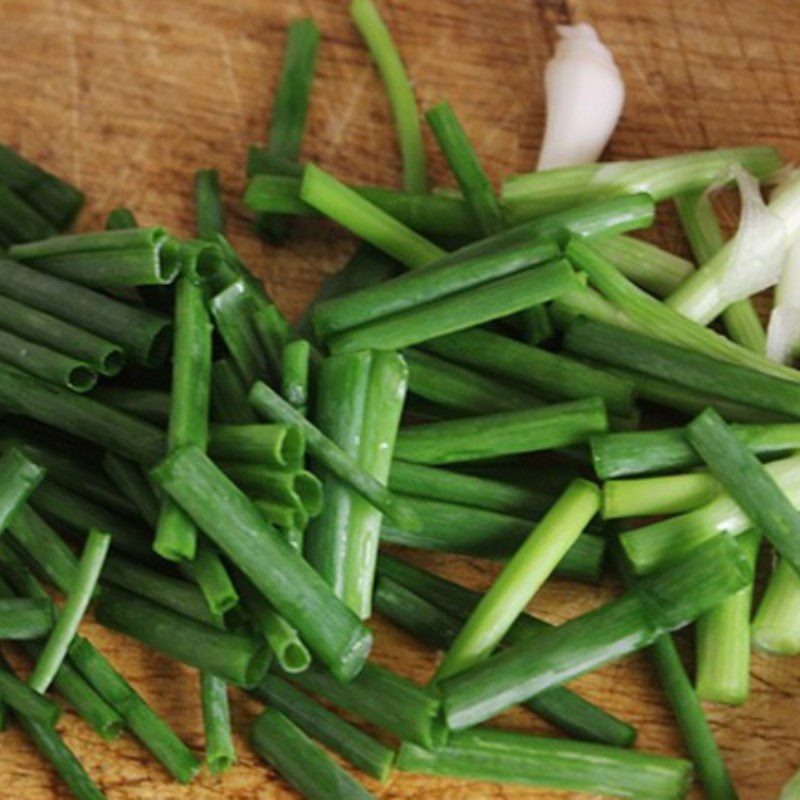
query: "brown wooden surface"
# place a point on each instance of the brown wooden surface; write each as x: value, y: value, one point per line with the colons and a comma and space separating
x: 128, y: 97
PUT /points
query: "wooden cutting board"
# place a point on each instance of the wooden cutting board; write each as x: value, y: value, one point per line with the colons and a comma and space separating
x: 127, y: 98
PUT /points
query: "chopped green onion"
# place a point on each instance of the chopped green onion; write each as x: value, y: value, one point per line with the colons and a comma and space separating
x: 229, y: 395
x: 19, y: 222
x: 133, y: 484
x: 210, y: 574
x: 220, y: 753
x: 776, y: 626
x: 209, y: 212
x: 277, y: 446
x: 149, y: 404
x: 294, y: 374
x: 120, y: 218
x: 660, y: 496
x: 25, y: 619
x: 19, y: 477
x: 27, y: 702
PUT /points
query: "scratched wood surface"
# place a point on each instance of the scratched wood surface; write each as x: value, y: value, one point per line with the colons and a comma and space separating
x: 127, y: 98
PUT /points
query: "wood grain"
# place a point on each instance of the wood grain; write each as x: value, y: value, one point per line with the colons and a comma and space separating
x: 128, y: 97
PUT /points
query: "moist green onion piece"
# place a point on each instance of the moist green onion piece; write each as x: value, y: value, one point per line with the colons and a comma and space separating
x: 75, y: 605
x: 424, y: 619
x: 166, y: 590
x: 45, y: 548
x: 229, y: 395
x: 53, y: 197
x: 661, y: 321
x: 133, y: 484
x: 149, y: 404
x: 288, y: 487
x: 551, y: 374
x: 633, y: 453
x: 22, y: 619
x: 748, y: 483
x: 143, y: 335
x: 428, y: 214
x: 305, y: 765
x: 120, y: 218
x: 460, y: 389
x: 660, y: 542
x: 365, y: 219
x: 209, y: 212
x: 705, y: 238
x: 660, y: 496
x: 647, y: 265
x: 176, y: 534
x: 20, y: 222
x: 105, y: 259
x: 270, y: 445
x: 381, y: 697
x: 685, y: 367
x: 466, y: 309
x: 493, y: 435
x: 81, y: 416
x: 19, y: 477
x: 376, y: 36
x: 49, y: 365
x: 723, y: 640
x: 269, y: 404
x: 283, y: 517
x: 27, y: 702
x: 143, y: 722
x: 227, y: 517
x: 521, y: 578
x: 360, y: 749
x: 209, y: 572
x: 487, y: 754
x: 533, y: 193
x: 664, y: 601
x: 467, y: 169
x: 294, y: 374
x: 48, y: 331
x: 233, y: 656
x: 456, y: 528
x: 776, y: 626
x: 428, y: 283
x: 220, y: 753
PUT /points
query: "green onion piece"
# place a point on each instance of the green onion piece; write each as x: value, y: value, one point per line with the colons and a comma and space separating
x: 288, y: 487
x: 19, y: 477
x: 423, y: 618
x: 428, y: 283
x: 294, y: 374
x: 376, y: 36
x: 149, y: 404
x: 268, y: 403
x: 305, y: 765
x: 81, y: 416
x: 486, y: 754
x: 209, y: 212
x: 233, y: 656
x: 77, y: 601
x: 143, y: 335
x: 210, y: 574
x: 105, y: 259
x: 48, y: 331
x: 467, y: 169
x: 455, y: 528
x: 21, y: 578
x: 227, y: 517
x: 620, y: 454
x: 460, y: 389
x: 335, y: 200
x: 27, y: 702
x: 220, y: 753
x: 166, y: 590
x: 664, y: 601
x: 176, y: 535
x: 51, y: 196
x: 143, y: 722
x: 550, y: 374
x: 229, y: 396
x: 361, y: 750
x: 120, y: 218
x: 284, y: 642
x: 273, y: 333
x: 133, y: 484
x: 522, y: 577
x: 660, y: 496
x: 466, y: 309
x: 492, y: 435
x: 776, y: 626
x: 527, y: 195
x: 381, y: 697
x: 45, y: 548
x: 20, y: 222
x: 277, y: 446
x: 723, y: 641
x: 705, y: 238
x: 748, y: 483
x: 24, y: 619
x: 534, y: 325
x: 647, y: 265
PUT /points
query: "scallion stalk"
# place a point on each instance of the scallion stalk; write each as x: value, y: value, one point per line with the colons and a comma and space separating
x: 776, y: 626
x: 220, y: 752
x: 660, y: 496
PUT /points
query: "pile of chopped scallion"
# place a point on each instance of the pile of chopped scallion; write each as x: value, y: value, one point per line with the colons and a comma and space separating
x: 492, y: 375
